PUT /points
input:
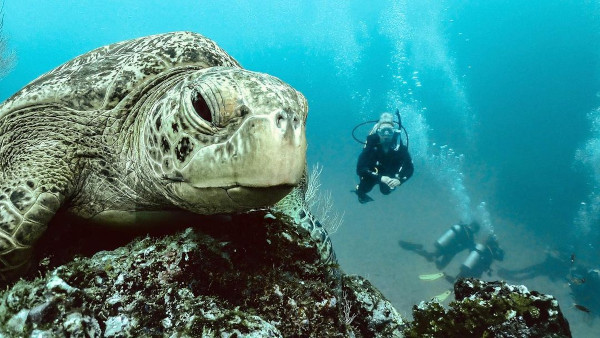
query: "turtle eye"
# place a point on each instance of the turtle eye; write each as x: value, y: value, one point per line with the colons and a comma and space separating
x: 201, y: 107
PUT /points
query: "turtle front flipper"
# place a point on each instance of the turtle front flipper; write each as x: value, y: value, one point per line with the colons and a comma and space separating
x: 37, y: 165
x: 294, y: 205
x: 34, y: 178
x: 24, y: 215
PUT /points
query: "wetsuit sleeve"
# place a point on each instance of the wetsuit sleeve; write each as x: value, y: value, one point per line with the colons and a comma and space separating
x: 407, y: 168
x: 367, y: 158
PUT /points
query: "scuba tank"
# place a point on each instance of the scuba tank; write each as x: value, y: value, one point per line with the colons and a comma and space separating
x: 456, y: 238
x: 481, y: 257
x: 476, y: 255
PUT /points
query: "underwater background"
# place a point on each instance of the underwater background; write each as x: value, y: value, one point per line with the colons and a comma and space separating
x: 500, y: 98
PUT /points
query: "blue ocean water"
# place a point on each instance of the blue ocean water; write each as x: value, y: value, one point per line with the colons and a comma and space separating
x: 501, y: 100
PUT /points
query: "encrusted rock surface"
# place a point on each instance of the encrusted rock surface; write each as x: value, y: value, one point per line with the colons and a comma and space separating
x: 490, y: 309
x: 370, y: 314
x: 253, y: 276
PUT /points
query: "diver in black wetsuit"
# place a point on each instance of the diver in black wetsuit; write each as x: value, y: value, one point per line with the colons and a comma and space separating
x: 384, y: 160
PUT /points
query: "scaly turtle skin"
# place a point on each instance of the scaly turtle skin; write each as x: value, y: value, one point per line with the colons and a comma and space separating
x: 127, y: 131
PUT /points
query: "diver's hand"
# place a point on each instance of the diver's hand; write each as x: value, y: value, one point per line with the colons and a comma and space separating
x: 391, y: 182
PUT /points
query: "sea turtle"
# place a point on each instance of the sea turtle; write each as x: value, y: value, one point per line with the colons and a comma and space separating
x: 164, y: 122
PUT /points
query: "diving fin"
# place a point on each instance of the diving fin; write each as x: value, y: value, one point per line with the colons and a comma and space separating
x: 442, y: 296
x: 410, y: 246
x: 432, y: 276
x: 362, y: 197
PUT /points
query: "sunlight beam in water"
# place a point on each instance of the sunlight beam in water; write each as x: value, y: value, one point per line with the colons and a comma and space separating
x: 429, y: 50
x: 421, y: 25
x: 585, y: 231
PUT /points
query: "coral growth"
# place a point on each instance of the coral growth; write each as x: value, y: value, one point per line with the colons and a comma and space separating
x: 492, y: 309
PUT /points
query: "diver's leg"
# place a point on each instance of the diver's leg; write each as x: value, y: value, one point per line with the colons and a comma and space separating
x: 365, y: 185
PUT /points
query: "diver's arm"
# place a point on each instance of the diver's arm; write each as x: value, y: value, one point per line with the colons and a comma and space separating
x: 367, y: 158
x: 391, y: 182
x: 407, y: 168
x: 366, y: 164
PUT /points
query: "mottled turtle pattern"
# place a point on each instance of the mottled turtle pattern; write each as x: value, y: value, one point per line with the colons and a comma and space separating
x: 165, y: 122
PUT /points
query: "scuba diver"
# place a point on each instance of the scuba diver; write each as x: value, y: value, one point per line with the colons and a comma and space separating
x: 457, y: 238
x: 555, y: 265
x: 384, y: 160
x: 454, y: 240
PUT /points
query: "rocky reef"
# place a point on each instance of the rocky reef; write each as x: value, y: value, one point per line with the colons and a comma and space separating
x: 248, y: 275
x: 253, y: 275
x: 490, y: 309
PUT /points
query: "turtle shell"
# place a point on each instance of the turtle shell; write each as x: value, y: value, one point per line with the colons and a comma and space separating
x: 101, y: 78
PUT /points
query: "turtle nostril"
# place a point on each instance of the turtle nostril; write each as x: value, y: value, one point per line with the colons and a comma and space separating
x: 279, y: 119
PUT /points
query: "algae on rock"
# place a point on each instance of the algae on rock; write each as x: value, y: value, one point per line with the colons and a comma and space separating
x: 252, y: 276
x: 490, y: 309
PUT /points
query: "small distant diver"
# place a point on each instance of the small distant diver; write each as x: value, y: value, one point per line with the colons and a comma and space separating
x: 384, y: 160
x: 572, y: 258
x: 556, y: 264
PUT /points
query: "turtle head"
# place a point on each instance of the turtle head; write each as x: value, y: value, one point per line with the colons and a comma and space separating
x: 227, y: 139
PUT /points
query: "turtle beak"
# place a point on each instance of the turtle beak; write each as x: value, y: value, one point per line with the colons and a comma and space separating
x: 256, y: 167
x: 265, y: 151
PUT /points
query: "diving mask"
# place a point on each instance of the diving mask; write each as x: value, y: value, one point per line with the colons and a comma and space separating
x: 385, y: 131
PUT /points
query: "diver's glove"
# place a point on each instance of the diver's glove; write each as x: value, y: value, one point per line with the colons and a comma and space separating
x: 391, y: 182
